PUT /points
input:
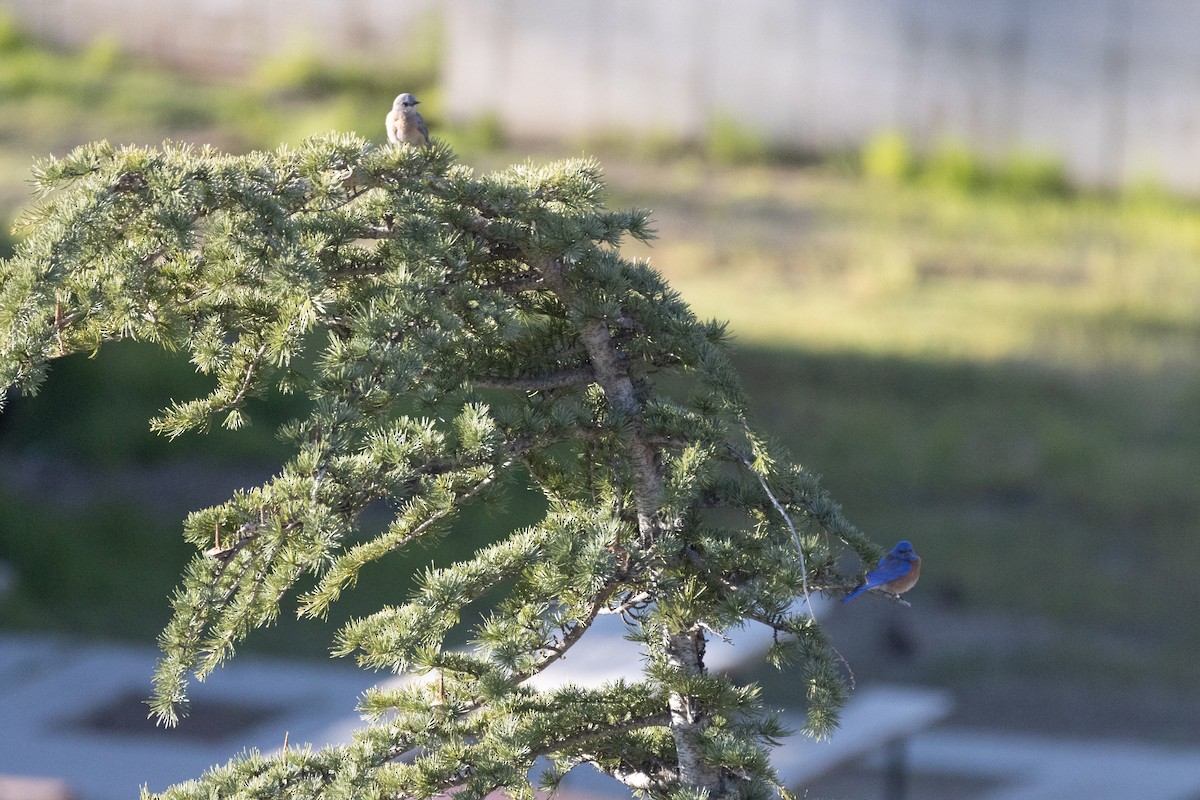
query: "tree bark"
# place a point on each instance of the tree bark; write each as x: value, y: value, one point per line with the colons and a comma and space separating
x: 613, y: 377
x: 684, y: 649
x: 689, y: 720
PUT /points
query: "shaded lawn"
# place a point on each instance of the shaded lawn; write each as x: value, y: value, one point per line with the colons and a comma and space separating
x: 1030, y: 492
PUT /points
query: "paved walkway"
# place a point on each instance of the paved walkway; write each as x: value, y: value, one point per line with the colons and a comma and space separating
x: 74, y: 714
x: 1042, y: 768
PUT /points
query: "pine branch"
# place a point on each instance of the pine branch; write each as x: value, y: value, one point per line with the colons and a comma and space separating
x: 538, y: 383
x: 572, y: 635
x: 786, y: 518
x: 576, y: 741
x: 613, y: 376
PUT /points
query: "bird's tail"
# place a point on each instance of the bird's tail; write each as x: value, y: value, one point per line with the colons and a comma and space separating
x: 857, y: 592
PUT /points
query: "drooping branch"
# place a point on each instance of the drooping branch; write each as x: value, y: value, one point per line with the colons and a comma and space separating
x: 538, y: 383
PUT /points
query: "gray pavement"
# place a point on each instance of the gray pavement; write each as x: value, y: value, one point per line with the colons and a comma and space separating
x: 1044, y: 768
x: 73, y: 712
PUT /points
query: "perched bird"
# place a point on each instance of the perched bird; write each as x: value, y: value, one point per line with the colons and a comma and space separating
x: 404, y: 124
x: 896, y: 573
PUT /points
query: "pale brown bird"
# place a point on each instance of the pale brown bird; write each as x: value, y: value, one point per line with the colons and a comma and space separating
x: 404, y: 124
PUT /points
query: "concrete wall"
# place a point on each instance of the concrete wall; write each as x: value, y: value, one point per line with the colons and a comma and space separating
x: 230, y: 36
x: 1109, y: 87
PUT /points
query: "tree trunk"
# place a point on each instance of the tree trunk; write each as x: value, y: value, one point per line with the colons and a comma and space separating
x: 684, y: 649
x: 689, y: 720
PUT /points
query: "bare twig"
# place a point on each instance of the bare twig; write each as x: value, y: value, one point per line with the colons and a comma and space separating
x: 788, y: 520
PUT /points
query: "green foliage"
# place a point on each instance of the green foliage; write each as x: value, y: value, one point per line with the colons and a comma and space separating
x: 102, y: 56
x: 887, y: 156
x: 952, y: 165
x: 12, y: 38
x: 1149, y: 196
x: 728, y: 141
x: 967, y: 369
x: 1027, y: 175
x: 303, y: 73
x: 441, y: 330
x: 54, y: 100
x: 7, y: 242
x: 303, y: 90
x: 483, y: 134
x: 126, y: 384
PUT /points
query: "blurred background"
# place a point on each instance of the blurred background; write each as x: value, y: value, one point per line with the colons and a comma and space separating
x: 958, y: 243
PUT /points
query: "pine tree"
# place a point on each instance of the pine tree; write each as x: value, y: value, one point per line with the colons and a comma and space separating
x: 448, y: 329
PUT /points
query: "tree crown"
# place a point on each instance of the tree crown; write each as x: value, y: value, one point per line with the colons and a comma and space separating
x: 447, y: 329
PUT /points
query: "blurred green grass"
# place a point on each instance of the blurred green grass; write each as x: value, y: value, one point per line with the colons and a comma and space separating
x: 979, y: 359
x: 1011, y: 381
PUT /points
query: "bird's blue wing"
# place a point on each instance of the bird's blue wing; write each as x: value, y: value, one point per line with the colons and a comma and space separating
x: 888, y: 570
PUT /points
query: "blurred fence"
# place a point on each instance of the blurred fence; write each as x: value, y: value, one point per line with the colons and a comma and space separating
x: 1110, y: 88
x: 230, y: 36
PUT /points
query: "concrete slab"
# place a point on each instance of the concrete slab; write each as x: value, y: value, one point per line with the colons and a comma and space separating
x: 1046, y: 768
x: 74, y: 714
x: 33, y: 789
x: 65, y: 714
x: 875, y: 717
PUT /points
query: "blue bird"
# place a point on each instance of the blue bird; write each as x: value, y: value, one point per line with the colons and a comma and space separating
x: 896, y: 573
